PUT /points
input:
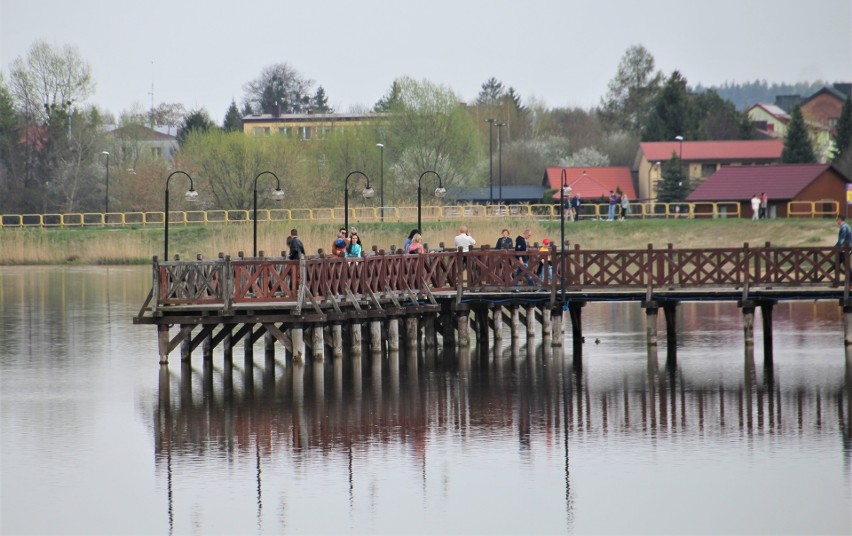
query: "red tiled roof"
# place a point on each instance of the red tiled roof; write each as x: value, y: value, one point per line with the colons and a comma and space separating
x: 736, y: 150
x: 739, y: 183
x: 592, y: 182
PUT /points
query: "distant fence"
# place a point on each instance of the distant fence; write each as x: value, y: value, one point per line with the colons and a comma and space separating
x: 542, y: 212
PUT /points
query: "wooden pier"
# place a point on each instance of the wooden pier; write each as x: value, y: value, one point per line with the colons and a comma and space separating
x: 324, y: 304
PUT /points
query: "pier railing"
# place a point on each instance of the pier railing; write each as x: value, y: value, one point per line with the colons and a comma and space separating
x: 226, y: 283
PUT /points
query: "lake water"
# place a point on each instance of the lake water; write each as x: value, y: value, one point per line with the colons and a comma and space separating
x: 97, y: 438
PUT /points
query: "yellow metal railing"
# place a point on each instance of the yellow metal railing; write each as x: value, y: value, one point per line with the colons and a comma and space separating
x: 434, y: 213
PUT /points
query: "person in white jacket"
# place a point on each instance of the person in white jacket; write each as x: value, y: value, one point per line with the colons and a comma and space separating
x: 755, y: 207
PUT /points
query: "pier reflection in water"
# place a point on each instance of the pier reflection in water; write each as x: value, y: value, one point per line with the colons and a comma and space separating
x: 95, y: 439
x: 632, y: 425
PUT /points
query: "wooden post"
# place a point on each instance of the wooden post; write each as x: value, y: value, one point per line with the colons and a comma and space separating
x: 185, y: 345
x: 448, y: 330
x: 463, y: 323
x: 228, y: 348
x: 269, y: 346
x: 556, y: 327
x: 393, y: 333
x: 207, y: 348
x: 575, y: 310
x: 482, y: 337
x: 847, y: 325
x: 318, y: 340
x: 337, y: 340
x: 546, y: 326
x: 766, y: 314
x: 411, y: 334
x: 376, y: 342
x: 355, y: 338
x: 430, y: 338
x: 670, y: 312
x: 516, y: 322
x: 497, y: 319
x: 163, y: 342
x: 651, y: 309
x: 530, y: 322
x: 748, y: 321
x: 297, y: 336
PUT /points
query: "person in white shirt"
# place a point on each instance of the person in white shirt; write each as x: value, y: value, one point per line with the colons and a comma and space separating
x: 755, y: 207
x: 464, y: 240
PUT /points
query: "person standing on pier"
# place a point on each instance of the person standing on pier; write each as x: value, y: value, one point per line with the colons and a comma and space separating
x: 505, y: 241
x: 464, y: 240
x: 521, y: 246
x: 296, y: 247
x: 844, y: 240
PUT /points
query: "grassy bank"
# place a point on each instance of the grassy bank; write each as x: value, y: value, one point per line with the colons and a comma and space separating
x: 138, y: 245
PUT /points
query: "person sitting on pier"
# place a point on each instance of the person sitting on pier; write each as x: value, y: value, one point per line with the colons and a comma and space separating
x: 521, y: 245
x: 339, y: 247
x: 408, y: 240
x: 416, y: 245
x: 297, y: 249
x: 505, y: 241
x: 354, y: 249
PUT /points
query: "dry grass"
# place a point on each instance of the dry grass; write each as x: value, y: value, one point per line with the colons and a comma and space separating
x: 137, y: 246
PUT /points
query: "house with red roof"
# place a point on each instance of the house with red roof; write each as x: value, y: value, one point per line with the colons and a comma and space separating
x: 591, y: 182
x: 769, y: 120
x: 785, y: 183
x: 702, y: 158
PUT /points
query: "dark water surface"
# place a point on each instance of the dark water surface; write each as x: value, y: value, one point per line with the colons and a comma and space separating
x: 96, y: 438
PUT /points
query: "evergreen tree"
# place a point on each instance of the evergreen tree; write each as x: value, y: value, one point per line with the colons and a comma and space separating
x: 390, y: 100
x: 320, y: 102
x: 674, y: 113
x: 247, y: 109
x: 195, y: 121
x: 674, y: 186
x: 491, y: 93
x: 233, y: 120
x: 843, y: 134
x: 797, y: 146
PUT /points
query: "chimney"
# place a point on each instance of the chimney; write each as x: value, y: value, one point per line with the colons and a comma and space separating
x: 276, y: 110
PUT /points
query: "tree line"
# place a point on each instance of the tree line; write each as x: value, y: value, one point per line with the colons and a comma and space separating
x: 52, y: 142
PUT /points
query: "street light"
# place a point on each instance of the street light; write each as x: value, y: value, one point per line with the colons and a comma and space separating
x: 500, y: 158
x: 277, y: 195
x: 367, y: 192
x: 680, y: 150
x: 381, y: 147
x: 490, y: 160
x: 106, y: 197
x: 440, y: 192
x: 564, y: 189
x: 191, y: 196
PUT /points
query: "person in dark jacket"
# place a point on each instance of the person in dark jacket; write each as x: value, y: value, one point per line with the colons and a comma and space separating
x: 521, y: 245
x: 505, y: 241
x: 296, y: 247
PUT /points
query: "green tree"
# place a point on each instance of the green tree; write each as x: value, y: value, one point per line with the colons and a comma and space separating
x: 167, y: 115
x: 631, y: 92
x: 674, y: 186
x: 674, y: 113
x: 843, y: 133
x: 431, y: 130
x: 195, y: 121
x: 233, y: 120
x: 797, y: 145
x: 320, y: 102
x: 719, y: 118
x: 389, y: 100
x: 492, y: 92
x: 279, y: 85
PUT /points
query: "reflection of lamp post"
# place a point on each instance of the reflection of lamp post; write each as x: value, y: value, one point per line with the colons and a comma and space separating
x: 277, y: 195
x: 191, y: 196
x: 106, y: 197
x: 381, y: 147
x: 440, y: 192
x: 490, y: 161
x: 367, y: 192
x: 564, y: 189
x: 500, y: 159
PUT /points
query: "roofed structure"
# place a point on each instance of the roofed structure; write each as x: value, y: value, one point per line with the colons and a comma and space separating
x: 591, y: 182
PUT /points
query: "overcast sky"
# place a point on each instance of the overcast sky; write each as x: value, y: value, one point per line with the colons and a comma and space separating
x: 562, y: 52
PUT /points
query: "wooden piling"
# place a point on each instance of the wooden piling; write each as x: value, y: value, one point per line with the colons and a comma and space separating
x: 748, y: 321
x: 355, y: 339
x: 430, y: 337
x: 269, y: 346
x: 393, y: 334
x: 411, y: 334
x: 530, y: 310
x: 497, y: 321
x: 186, y: 344
x: 318, y: 343
x: 376, y: 341
x: 463, y: 323
x: 766, y: 317
x: 516, y: 322
x: 337, y: 340
x: 163, y: 343
x: 556, y: 334
x: 847, y: 325
x: 651, y: 309
x: 297, y: 336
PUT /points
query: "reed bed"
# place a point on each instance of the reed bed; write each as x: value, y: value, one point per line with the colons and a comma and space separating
x: 139, y: 245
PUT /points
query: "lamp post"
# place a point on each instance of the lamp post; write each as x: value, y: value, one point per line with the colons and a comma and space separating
x: 277, y: 195
x: 440, y: 192
x: 191, y: 196
x: 490, y: 160
x: 106, y: 196
x: 680, y: 149
x: 500, y: 159
x: 564, y: 189
x: 367, y: 192
x: 381, y: 147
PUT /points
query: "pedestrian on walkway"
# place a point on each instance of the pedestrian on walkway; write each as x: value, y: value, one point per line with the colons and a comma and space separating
x: 755, y: 207
x: 844, y: 240
x: 764, y: 203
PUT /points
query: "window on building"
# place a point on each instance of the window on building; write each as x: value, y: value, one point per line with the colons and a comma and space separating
x: 285, y: 131
x: 304, y: 133
x: 323, y: 132
x: 708, y: 169
x: 260, y: 131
